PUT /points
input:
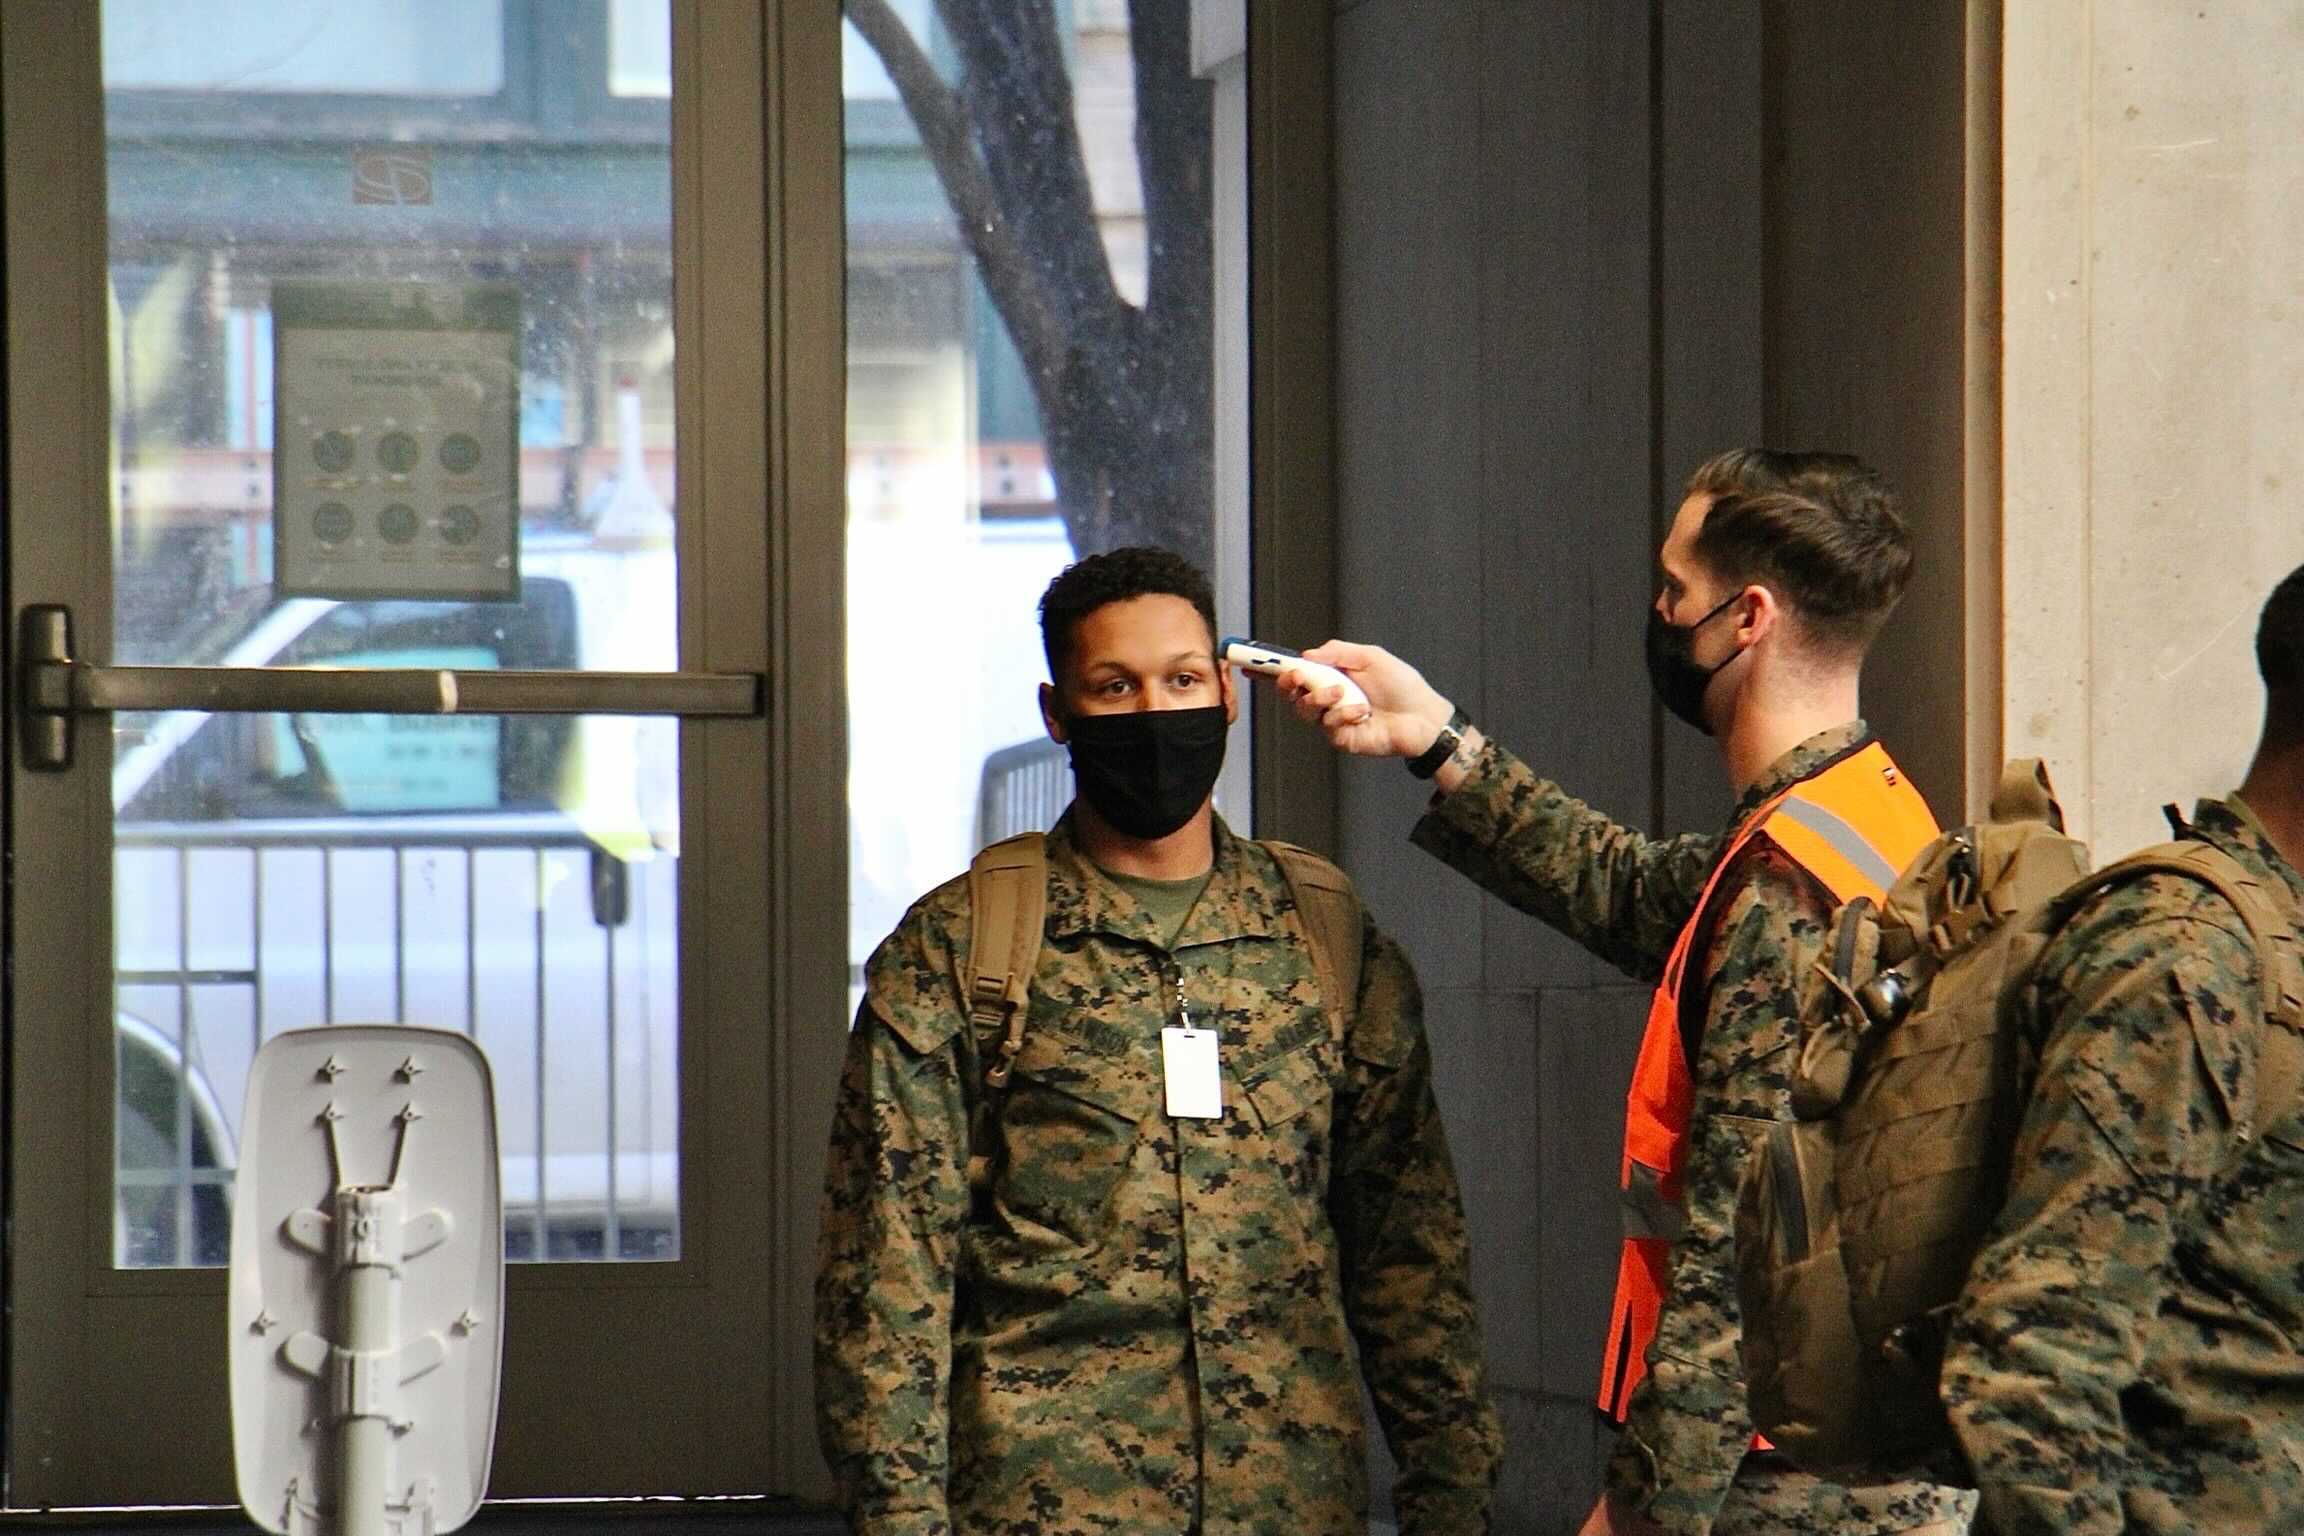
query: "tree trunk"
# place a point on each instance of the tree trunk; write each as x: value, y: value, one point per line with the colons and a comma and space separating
x: 1124, y: 393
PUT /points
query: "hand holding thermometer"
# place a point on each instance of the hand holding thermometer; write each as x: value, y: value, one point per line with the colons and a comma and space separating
x: 1272, y: 660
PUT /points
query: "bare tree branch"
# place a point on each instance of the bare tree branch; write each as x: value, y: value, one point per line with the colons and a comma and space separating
x: 1175, y: 131
x: 1124, y: 394
x: 1039, y: 331
x: 1027, y: 125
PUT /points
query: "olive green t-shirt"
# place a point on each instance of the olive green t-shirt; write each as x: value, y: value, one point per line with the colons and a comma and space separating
x: 1166, y: 902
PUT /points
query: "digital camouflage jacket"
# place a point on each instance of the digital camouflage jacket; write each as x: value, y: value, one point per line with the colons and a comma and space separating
x: 1140, y: 1326
x: 2129, y: 1353
x: 1626, y: 897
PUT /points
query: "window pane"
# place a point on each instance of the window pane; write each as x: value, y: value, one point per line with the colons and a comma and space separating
x: 394, y: 397
x: 1026, y: 385
x: 640, y: 47
x: 444, y: 48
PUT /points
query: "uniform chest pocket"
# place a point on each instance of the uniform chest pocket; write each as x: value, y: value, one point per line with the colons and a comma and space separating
x: 1123, y: 1087
x: 1066, y: 1129
x: 1284, y: 1089
x: 1293, y: 1099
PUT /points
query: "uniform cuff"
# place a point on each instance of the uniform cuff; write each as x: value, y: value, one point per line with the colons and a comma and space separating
x: 1676, y: 1471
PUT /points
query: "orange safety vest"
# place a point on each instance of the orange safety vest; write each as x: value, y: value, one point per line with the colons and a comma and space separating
x: 1854, y: 827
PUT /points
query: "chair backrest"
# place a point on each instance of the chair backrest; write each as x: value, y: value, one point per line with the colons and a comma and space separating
x: 1024, y: 788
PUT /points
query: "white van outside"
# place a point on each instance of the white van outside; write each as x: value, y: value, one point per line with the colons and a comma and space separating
x: 510, y: 877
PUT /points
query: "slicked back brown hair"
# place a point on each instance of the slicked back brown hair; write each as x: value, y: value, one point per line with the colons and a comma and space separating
x: 1820, y: 529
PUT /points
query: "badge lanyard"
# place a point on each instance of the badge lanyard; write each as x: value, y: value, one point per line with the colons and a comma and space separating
x: 1191, y: 1066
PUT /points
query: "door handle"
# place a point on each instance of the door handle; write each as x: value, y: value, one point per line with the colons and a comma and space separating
x: 54, y: 689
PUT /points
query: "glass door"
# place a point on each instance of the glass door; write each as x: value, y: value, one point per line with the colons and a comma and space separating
x: 377, y: 635
x: 1026, y: 392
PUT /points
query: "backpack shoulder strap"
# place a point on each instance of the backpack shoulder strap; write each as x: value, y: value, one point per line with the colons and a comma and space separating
x: 2272, y: 923
x: 1008, y: 912
x: 1332, y: 921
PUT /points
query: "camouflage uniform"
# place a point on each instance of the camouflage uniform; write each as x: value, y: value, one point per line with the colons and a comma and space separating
x: 2129, y: 1354
x: 1142, y: 1326
x: 1626, y: 898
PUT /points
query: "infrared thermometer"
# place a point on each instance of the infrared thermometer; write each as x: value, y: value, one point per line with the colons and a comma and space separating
x: 1272, y: 660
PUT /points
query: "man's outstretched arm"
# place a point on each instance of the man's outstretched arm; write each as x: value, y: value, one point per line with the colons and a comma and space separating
x: 1515, y: 834
x: 1521, y: 837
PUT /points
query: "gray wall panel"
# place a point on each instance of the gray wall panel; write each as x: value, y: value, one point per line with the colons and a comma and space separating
x: 1570, y: 270
x: 1866, y: 285
x: 1557, y: 1450
x: 1565, y: 399
x: 1712, y: 349
x: 1583, y: 1064
x: 1486, y: 1044
x: 1497, y: 329
x: 1408, y: 243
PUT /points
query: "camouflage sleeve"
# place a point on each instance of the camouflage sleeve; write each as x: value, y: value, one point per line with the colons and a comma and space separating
x: 895, y: 1204
x: 2147, y: 1060
x: 1688, y: 1428
x: 1524, y: 838
x: 1406, y: 1262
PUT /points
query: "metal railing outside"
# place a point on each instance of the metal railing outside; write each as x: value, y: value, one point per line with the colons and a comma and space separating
x: 1024, y: 788
x: 560, y: 960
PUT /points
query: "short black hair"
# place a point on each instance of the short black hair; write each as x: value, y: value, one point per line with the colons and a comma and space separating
x: 2280, y: 649
x: 1821, y: 528
x: 1114, y: 577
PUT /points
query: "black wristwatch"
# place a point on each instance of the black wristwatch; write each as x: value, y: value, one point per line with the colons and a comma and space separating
x: 1451, y: 735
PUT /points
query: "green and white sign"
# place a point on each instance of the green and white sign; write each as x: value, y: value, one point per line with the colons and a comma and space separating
x: 396, y: 463
x: 399, y: 764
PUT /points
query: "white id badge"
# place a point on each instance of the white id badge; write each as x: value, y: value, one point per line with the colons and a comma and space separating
x: 1195, y: 1085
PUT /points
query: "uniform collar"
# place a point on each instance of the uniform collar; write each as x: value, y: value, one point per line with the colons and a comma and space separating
x: 2233, y: 827
x: 1244, y: 898
x: 1803, y: 762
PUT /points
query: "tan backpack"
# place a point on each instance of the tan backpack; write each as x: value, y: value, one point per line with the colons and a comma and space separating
x: 1858, y: 1219
x: 1008, y: 903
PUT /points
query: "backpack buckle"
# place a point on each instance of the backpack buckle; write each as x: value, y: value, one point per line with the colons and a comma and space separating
x: 993, y: 1007
x: 1885, y: 998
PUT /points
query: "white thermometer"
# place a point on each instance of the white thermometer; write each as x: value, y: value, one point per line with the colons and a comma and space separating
x: 1272, y: 660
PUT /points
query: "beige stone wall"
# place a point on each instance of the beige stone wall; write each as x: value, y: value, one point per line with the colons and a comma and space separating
x: 2153, y: 377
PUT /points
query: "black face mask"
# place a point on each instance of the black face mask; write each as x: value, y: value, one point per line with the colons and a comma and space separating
x: 1146, y: 771
x: 1673, y: 670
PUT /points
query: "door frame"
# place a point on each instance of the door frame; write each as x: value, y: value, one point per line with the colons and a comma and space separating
x: 758, y: 251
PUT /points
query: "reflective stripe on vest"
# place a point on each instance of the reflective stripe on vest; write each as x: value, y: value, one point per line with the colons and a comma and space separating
x: 1853, y: 827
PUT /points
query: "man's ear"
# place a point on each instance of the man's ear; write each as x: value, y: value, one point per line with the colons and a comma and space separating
x: 1048, y: 715
x: 1760, y: 621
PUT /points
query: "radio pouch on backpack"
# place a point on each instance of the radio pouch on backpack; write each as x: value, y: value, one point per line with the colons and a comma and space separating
x: 1857, y: 1220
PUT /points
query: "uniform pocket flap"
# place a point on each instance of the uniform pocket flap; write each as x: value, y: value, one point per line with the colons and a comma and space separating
x: 914, y: 996
x: 1126, y: 1088
x: 1283, y: 1089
